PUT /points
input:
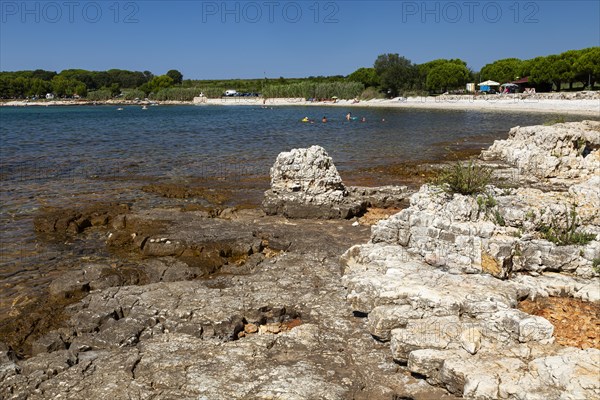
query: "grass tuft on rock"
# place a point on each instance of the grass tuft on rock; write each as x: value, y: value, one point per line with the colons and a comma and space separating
x: 596, y: 265
x: 563, y: 231
x: 464, y: 178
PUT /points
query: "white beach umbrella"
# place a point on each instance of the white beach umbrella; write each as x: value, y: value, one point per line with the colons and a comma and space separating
x: 489, y: 83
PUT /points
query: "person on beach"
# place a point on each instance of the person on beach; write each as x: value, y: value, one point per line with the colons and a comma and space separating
x: 324, y: 120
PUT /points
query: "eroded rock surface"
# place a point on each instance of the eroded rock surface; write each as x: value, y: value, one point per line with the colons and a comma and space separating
x: 440, y: 280
x: 567, y: 151
x: 306, y: 184
x: 272, y: 325
x: 497, y: 233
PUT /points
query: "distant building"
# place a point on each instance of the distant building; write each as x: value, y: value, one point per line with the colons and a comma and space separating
x: 470, y: 87
x: 523, y: 85
x: 49, y: 96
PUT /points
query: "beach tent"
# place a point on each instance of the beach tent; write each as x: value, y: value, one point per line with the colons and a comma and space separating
x: 489, y: 83
x: 486, y: 86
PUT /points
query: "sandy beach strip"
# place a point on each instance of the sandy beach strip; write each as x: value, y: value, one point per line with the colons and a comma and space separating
x: 543, y: 103
x: 590, y: 107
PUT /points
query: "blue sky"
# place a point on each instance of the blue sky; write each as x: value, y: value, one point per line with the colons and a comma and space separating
x: 253, y: 39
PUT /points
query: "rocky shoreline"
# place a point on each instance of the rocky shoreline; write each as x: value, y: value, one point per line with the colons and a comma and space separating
x: 306, y: 300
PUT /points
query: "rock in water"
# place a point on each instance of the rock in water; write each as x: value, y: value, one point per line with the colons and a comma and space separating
x: 306, y: 184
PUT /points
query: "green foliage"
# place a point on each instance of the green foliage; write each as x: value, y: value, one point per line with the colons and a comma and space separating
x: 367, y: 76
x: 23, y: 84
x: 100, y: 95
x: 309, y: 90
x: 132, y: 94
x: 176, y: 76
x: 596, y: 265
x: 425, y: 69
x: 505, y: 70
x: 396, y: 73
x: 446, y: 76
x: 115, y: 89
x: 487, y: 201
x: 518, y: 233
x: 464, y: 178
x: 371, y: 93
x: 391, y: 73
x: 499, y: 219
x: 177, y: 94
x: 488, y: 205
x: 156, y: 84
x: 587, y: 66
x: 66, y: 87
x: 564, y: 231
x: 530, y: 215
x: 213, y: 92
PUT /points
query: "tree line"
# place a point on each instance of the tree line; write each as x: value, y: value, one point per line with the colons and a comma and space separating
x: 397, y: 75
x: 391, y: 75
x: 81, y: 83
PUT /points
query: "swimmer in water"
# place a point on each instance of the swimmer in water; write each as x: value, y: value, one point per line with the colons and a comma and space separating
x: 324, y: 119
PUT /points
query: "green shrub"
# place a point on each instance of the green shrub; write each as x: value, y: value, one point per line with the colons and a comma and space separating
x: 563, y: 232
x: 371, y: 93
x: 132, y: 94
x: 499, y: 218
x: 99, y: 95
x: 308, y: 90
x: 176, y: 93
x: 464, y: 178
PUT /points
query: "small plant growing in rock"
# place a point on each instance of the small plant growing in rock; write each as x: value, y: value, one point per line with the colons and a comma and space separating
x: 464, y: 178
x: 499, y: 218
x: 596, y: 265
x: 486, y: 203
x: 518, y: 233
x: 564, y: 232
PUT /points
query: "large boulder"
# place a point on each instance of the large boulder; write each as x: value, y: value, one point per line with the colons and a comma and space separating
x: 306, y: 184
